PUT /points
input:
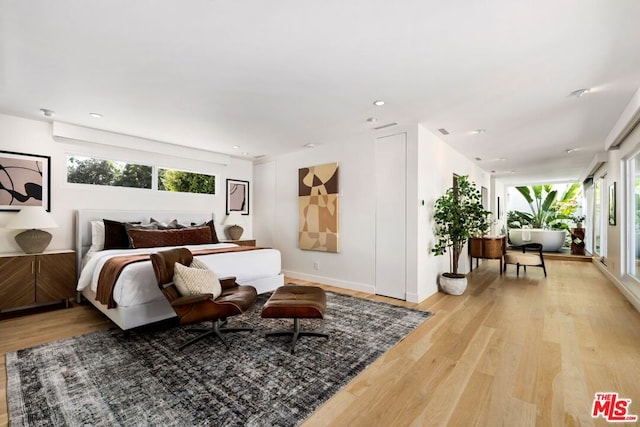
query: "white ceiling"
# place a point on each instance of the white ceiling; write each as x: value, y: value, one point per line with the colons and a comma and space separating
x: 271, y: 76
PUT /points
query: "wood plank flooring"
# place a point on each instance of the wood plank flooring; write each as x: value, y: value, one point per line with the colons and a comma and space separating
x: 525, y: 351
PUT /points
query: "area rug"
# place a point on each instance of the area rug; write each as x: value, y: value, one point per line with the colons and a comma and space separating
x: 109, y: 378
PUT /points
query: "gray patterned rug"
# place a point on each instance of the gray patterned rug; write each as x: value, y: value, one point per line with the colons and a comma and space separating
x: 106, y: 378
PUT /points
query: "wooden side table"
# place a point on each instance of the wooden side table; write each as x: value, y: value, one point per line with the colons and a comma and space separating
x: 577, y: 241
x: 487, y: 248
x: 28, y: 280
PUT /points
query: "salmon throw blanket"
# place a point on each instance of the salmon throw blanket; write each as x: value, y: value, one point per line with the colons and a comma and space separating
x: 113, y: 267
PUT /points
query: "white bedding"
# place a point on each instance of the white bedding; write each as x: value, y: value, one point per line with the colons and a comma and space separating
x: 137, y: 282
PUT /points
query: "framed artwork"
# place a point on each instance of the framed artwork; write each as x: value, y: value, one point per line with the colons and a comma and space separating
x: 25, y: 180
x: 318, y: 208
x: 484, y: 194
x: 612, y: 204
x: 237, y: 196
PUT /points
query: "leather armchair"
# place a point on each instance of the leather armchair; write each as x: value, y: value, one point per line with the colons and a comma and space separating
x: 192, y: 309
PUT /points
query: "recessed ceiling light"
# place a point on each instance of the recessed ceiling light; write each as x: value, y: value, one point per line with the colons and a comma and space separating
x: 571, y: 150
x: 580, y: 92
x: 378, y: 102
x: 96, y: 115
x: 479, y: 131
x: 310, y: 145
x: 501, y: 159
x: 47, y: 113
x: 245, y: 153
x: 479, y: 159
x: 372, y: 120
x: 236, y: 146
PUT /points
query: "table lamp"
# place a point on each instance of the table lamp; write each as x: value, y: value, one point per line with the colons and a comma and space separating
x: 32, y: 219
x: 234, y: 231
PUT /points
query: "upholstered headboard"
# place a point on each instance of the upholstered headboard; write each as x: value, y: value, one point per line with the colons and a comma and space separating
x: 85, y: 216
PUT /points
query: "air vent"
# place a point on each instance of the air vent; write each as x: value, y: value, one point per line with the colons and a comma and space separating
x: 260, y: 156
x: 443, y: 131
x: 388, y: 125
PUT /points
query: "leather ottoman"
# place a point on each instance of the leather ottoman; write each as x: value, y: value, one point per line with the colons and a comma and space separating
x: 296, y: 302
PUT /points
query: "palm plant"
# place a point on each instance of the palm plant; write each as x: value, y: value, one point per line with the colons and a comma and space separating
x: 547, y: 211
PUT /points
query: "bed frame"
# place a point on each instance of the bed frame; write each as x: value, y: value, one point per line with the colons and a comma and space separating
x: 131, y: 317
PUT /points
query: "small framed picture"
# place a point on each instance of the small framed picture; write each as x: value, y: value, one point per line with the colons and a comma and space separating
x: 612, y: 204
x: 237, y: 196
x: 25, y: 180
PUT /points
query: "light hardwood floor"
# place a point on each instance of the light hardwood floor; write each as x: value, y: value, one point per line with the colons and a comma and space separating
x: 509, y: 352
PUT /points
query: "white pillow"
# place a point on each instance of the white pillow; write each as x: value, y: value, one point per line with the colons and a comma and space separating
x: 193, y: 281
x: 196, y: 263
x: 97, y: 238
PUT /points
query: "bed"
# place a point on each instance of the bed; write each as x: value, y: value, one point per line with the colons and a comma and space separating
x: 139, y: 300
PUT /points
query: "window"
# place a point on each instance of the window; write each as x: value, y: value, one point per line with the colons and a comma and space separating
x: 633, y: 181
x: 597, y: 215
x: 186, y: 182
x: 95, y: 171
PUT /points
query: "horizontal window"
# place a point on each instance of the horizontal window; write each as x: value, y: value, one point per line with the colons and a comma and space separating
x: 95, y: 171
x: 186, y: 182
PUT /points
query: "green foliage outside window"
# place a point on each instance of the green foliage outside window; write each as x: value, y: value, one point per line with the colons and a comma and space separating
x: 186, y: 182
x: 88, y: 170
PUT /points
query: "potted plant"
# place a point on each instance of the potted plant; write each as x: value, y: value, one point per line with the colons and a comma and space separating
x: 458, y: 215
x: 548, y: 218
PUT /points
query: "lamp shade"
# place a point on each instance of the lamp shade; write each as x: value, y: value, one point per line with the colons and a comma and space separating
x: 32, y: 217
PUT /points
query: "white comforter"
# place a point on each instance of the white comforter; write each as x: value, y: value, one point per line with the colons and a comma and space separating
x: 137, y: 282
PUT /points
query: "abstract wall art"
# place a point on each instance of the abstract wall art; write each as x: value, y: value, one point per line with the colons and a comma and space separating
x: 318, y: 208
x: 237, y: 196
x: 24, y: 181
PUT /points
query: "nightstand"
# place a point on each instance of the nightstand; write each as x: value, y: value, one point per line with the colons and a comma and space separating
x: 248, y: 242
x: 28, y: 280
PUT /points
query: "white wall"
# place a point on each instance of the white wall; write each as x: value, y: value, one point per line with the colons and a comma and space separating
x: 430, y: 168
x: 615, y: 267
x: 437, y: 163
x: 35, y: 137
x: 353, y: 266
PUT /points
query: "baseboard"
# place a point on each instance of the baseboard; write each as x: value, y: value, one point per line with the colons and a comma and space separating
x: 354, y: 286
x: 411, y: 297
x: 625, y: 289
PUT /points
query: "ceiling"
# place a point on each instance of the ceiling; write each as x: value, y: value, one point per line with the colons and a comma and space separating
x: 272, y: 76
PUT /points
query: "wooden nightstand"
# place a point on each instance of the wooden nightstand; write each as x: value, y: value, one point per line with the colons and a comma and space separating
x: 248, y: 242
x: 28, y: 280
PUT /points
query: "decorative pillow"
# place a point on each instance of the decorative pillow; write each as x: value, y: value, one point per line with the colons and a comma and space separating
x: 97, y: 236
x: 166, y: 225
x: 214, y: 235
x: 130, y: 227
x: 115, y: 234
x: 194, y: 281
x: 178, y: 237
x: 211, y: 225
x: 196, y: 263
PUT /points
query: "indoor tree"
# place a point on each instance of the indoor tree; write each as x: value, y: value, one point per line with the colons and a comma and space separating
x: 458, y: 215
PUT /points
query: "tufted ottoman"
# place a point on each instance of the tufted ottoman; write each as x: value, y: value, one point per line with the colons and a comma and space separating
x: 296, y: 302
